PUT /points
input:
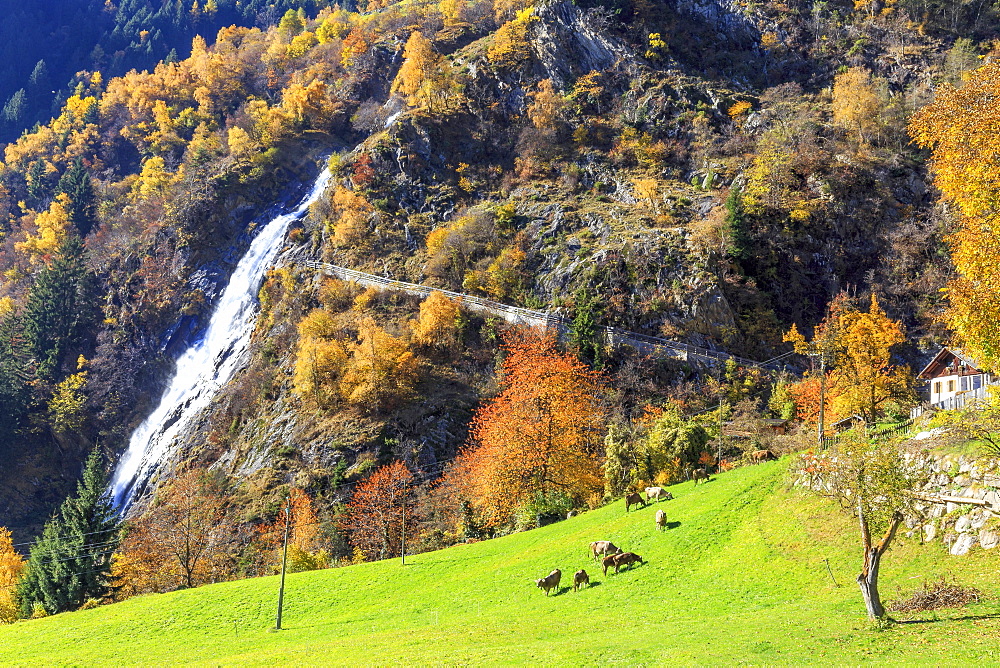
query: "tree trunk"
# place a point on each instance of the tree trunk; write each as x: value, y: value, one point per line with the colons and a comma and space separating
x: 868, y: 577
x: 868, y: 581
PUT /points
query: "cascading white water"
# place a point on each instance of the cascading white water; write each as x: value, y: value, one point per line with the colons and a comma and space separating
x: 209, y: 363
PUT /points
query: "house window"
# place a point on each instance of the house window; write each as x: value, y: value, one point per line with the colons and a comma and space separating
x: 951, y: 386
x: 977, y: 382
x: 937, y: 388
x: 964, y: 383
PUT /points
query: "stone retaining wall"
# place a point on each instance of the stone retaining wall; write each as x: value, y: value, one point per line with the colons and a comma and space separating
x: 961, y: 527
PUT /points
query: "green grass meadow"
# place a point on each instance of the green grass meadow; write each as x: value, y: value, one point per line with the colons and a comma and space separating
x: 739, y: 578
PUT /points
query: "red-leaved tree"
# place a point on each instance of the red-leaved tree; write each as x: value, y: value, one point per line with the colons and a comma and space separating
x: 374, y: 516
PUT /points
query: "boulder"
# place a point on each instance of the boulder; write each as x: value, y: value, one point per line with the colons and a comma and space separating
x: 963, y: 544
x: 989, y: 539
x: 930, y: 531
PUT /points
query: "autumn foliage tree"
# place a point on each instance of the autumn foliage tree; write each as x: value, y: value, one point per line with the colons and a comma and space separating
x: 857, y: 101
x: 185, y: 532
x: 11, y: 566
x: 857, y: 344
x: 540, y: 435
x: 374, y: 516
x: 959, y: 126
x: 865, y: 376
x: 305, y: 549
x: 437, y: 324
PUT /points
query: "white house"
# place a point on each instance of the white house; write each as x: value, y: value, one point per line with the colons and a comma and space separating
x: 953, y: 377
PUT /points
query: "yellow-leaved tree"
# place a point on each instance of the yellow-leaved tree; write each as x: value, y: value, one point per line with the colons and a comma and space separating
x: 865, y: 376
x: 11, y: 565
x: 437, y: 324
x: 320, y: 359
x: 53, y: 226
x: 381, y: 370
x: 425, y: 77
x: 857, y: 101
x: 960, y: 127
x: 858, y: 345
x: 354, y: 212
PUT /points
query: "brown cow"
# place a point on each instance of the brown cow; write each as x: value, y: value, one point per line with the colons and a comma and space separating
x: 633, y: 500
x: 658, y: 493
x: 604, y: 547
x: 626, y: 559
x: 758, y: 456
x: 550, y: 581
x: 580, y: 578
x: 699, y: 474
x: 661, y: 520
x: 609, y: 561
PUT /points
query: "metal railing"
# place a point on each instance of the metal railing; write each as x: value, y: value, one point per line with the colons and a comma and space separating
x: 955, y: 403
x: 519, y: 315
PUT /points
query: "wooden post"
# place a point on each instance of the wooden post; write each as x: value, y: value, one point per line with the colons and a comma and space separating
x: 284, y: 562
x: 822, y: 400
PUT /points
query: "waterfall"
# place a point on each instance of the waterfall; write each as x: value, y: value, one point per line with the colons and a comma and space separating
x: 205, y: 367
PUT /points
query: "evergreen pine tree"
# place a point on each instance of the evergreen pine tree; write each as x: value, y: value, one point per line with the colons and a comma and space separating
x: 71, y: 563
x: 59, y: 308
x: 585, y: 333
x: 15, y: 109
x: 38, y: 185
x: 15, y: 394
x: 76, y: 183
x: 736, y: 227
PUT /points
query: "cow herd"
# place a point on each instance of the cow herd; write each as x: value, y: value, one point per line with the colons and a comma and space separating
x: 610, y: 554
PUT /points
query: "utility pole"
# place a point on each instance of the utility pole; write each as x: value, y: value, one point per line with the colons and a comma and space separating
x: 722, y: 405
x: 822, y: 399
x: 402, y: 549
x: 284, y: 562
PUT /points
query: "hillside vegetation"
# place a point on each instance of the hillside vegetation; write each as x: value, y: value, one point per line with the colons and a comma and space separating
x: 738, y: 577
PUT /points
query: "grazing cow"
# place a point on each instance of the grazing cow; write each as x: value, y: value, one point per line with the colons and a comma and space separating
x: 633, y: 500
x: 699, y: 474
x: 661, y: 520
x: 658, y: 493
x: 603, y: 547
x: 580, y: 578
x: 759, y: 456
x: 626, y: 559
x: 609, y: 561
x: 550, y: 581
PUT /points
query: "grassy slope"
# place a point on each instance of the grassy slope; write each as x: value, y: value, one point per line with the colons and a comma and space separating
x: 740, y: 579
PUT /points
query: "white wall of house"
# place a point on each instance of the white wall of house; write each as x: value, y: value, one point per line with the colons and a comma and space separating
x: 946, y: 387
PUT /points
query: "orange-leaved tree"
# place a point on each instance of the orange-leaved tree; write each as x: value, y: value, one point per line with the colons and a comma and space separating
x: 375, y: 513
x: 186, y: 536
x: 960, y: 126
x: 806, y: 395
x: 541, y: 434
x: 305, y: 550
x: 11, y: 566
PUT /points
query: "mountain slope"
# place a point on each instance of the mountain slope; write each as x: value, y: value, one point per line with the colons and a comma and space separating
x: 740, y: 578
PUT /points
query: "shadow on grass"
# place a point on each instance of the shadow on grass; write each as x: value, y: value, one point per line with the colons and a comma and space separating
x: 964, y: 618
x: 626, y: 569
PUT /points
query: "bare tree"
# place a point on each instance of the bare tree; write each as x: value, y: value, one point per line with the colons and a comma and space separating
x: 186, y: 521
x: 875, y: 483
